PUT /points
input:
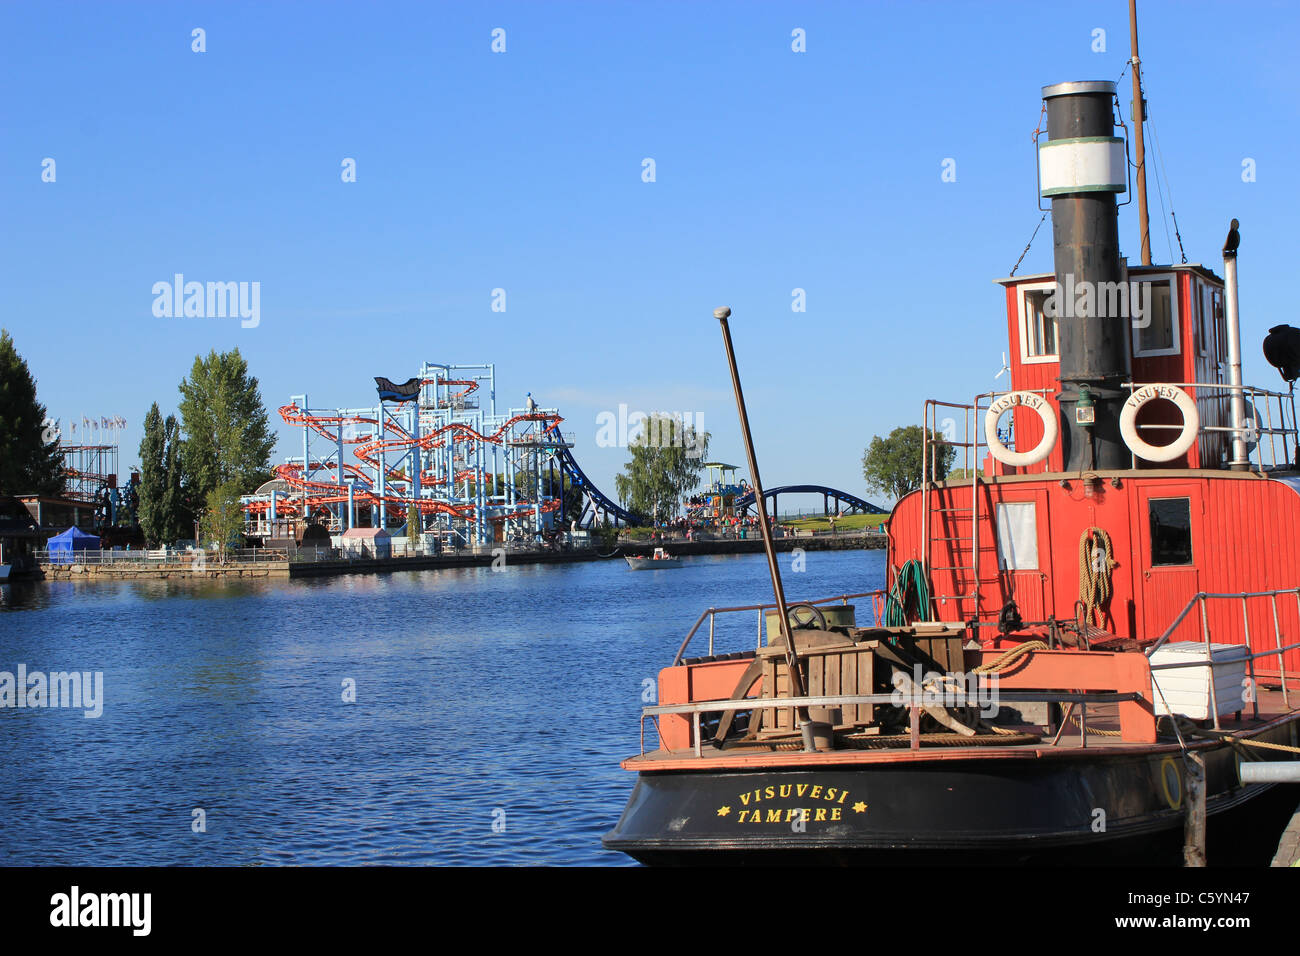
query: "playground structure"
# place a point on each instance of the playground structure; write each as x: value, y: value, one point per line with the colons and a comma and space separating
x: 436, y: 445
x: 718, y: 498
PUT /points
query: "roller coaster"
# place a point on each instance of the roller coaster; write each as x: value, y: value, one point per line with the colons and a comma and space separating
x: 855, y: 504
x: 434, y: 447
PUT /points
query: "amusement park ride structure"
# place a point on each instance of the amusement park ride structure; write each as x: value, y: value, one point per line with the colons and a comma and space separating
x: 435, y: 443
x: 438, y: 444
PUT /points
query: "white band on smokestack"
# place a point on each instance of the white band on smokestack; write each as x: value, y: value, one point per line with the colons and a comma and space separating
x: 1082, y: 164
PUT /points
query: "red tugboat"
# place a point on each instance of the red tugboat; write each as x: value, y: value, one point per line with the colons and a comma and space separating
x: 1079, y: 645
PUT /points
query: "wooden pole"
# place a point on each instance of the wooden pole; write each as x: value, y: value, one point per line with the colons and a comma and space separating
x: 1194, y: 831
x: 1139, y: 148
x: 791, y: 655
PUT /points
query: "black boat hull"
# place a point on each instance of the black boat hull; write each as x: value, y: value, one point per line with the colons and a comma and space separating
x: 1074, y: 807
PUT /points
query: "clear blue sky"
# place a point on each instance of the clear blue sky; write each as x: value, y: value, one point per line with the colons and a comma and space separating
x: 522, y: 171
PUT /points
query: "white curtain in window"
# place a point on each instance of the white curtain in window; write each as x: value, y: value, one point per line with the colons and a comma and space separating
x: 1017, y: 536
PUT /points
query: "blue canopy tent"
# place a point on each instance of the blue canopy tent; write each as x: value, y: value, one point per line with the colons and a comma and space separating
x: 62, y: 546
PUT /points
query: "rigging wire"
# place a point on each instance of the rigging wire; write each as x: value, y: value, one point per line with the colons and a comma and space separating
x: 1038, y: 131
x: 1030, y: 243
x: 1160, y: 158
x: 1169, y: 244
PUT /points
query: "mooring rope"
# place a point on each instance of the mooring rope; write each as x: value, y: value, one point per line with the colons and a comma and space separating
x: 1188, y: 727
x: 1010, y: 657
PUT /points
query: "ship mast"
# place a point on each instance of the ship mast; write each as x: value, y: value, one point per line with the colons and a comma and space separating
x: 1139, y: 118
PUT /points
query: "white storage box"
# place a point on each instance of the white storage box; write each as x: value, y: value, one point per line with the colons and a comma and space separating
x: 1186, y: 690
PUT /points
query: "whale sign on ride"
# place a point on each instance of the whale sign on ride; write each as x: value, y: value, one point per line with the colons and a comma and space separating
x: 406, y: 392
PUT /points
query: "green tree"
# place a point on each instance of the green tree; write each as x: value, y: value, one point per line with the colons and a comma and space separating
x: 413, y: 525
x: 667, y: 459
x: 892, y: 465
x: 163, y: 514
x: 30, y: 462
x: 178, y: 517
x: 153, y: 478
x: 223, y: 518
x: 227, y: 433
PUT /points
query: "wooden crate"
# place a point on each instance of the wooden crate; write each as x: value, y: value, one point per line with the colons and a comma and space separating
x: 938, y: 645
x: 828, y: 672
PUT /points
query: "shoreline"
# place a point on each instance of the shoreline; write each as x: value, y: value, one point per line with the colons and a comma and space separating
x: 467, y: 559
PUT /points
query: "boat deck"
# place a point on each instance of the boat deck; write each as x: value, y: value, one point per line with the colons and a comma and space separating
x: 1275, y: 720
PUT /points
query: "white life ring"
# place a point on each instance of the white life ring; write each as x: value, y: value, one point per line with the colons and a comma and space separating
x: 1020, y: 459
x: 1186, y: 438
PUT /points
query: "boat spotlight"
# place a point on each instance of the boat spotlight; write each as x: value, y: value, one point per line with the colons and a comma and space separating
x: 1282, y: 349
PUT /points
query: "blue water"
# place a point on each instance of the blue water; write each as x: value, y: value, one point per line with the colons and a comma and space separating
x: 482, y: 698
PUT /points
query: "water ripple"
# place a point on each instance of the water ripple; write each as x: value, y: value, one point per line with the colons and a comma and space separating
x: 491, y: 711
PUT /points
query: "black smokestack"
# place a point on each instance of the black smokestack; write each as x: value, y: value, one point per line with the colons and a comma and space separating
x: 1082, y: 167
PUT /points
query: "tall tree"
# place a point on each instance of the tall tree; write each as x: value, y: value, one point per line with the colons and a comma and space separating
x: 163, y: 514
x: 892, y: 465
x: 667, y: 459
x: 178, y: 520
x: 153, y: 478
x: 30, y: 462
x: 227, y: 433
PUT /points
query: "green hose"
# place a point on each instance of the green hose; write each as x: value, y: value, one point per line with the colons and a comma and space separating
x: 909, y: 599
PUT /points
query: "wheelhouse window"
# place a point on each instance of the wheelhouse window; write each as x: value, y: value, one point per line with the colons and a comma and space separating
x: 1220, y: 324
x: 1171, y: 531
x: 1037, y: 328
x: 1159, y: 336
x: 1205, y: 320
x: 1017, y: 536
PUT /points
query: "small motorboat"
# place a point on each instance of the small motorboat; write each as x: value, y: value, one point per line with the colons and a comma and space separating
x: 661, y: 559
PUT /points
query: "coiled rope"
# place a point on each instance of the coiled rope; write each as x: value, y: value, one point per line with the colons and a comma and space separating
x: 1094, y: 575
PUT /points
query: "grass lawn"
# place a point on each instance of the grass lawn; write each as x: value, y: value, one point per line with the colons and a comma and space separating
x: 847, y: 523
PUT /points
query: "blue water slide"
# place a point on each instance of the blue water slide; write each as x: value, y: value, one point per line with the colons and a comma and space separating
x: 606, y: 504
x: 853, y: 501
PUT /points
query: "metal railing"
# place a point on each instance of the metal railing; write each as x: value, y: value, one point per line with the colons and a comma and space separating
x: 711, y: 614
x: 1260, y: 425
x: 1272, y: 428
x: 915, y: 699
x: 937, y: 433
x: 915, y: 702
x: 156, y: 556
x: 1198, y: 600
